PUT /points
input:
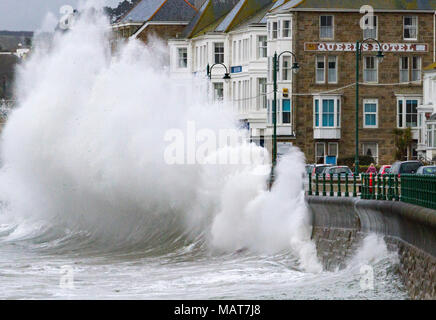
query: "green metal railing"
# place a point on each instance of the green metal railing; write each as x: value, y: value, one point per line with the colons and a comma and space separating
x: 334, y: 185
x: 414, y: 189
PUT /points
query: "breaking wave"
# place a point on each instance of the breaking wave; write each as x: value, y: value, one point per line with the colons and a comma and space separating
x: 84, y: 165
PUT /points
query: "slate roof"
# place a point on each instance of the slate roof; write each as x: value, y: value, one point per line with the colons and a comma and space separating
x: 209, y: 13
x: 160, y: 10
x: 241, y: 12
x: 356, y: 4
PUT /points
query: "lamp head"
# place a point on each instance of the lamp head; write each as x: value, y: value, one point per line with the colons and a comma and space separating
x: 295, y: 67
x: 380, y: 56
x: 227, y: 77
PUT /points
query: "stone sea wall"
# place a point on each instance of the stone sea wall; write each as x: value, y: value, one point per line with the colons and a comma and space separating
x: 339, y: 224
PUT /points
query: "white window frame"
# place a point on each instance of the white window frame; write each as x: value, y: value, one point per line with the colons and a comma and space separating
x: 404, y: 113
x: 336, y: 112
x: 262, y: 47
x: 262, y: 91
x: 374, y: 157
x: 418, y: 70
x: 329, y: 144
x: 282, y: 112
x: 416, y: 26
x: 288, y: 34
x: 288, y: 69
x: 365, y: 68
x: 370, y: 101
x: 181, y: 59
x: 216, y: 54
x: 332, y: 26
x: 316, y: 152
x: 318, y: 69
x: 336, y: 69
x: 376, y: 22
x: 276, y: 30
x: 215, y: 95
x: 404, y: 71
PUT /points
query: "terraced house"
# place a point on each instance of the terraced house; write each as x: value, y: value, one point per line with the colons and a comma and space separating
x: 324, y: 36
x: 229, y: 34
x: 316, y: 108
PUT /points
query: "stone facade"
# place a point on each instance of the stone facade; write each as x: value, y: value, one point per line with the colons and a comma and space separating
x: 347, y: 29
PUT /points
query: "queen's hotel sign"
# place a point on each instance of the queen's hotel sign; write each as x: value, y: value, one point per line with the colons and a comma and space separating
x: 350, y: 47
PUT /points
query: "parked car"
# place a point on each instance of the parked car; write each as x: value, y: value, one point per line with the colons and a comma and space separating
x: 431, y: 170
x: 405, y: 167
x: 385, y: 169
x: 319, y: 169
x: 338, y: 170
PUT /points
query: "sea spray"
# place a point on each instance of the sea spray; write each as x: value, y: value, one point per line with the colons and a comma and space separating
x: 84, y: 154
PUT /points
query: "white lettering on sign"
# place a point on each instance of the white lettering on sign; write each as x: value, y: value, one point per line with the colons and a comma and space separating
x: 348, y: 46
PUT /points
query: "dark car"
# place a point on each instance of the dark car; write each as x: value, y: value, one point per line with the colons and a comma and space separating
x: 427, y: 170
x: 405, y: 167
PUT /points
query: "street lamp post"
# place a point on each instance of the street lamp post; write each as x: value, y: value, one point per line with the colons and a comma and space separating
x: 226, y: 77
x: 295, y: 68
x: 209, y: 71
x: 379, y: 56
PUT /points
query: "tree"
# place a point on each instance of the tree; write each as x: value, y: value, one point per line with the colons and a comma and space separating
x: 403, y: 143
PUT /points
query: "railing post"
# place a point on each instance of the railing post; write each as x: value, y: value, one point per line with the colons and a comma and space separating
x: 355, y: 185
x: 332, y: 194
x: 397, y: 195
x: 347, y: 194
x: 310, y: 184
x: 384, y: 187
x: 324, y: 190
x: 316, y: 185
x: 339, y: 185
x: 379, y: 186
x: 390, y: 196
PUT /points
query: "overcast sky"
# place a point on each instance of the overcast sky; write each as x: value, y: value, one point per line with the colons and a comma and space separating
x: 28, y: 15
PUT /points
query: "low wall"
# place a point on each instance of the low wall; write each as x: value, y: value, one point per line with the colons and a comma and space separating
x: 340, y: 223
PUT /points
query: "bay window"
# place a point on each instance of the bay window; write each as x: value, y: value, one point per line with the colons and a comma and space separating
x: 326, y: 112
x: 407, y: 115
